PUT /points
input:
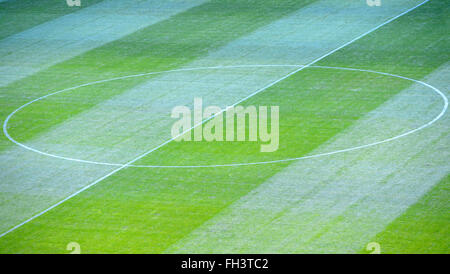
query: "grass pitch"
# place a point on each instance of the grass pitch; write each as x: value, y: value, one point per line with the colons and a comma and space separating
x: 394, y: 194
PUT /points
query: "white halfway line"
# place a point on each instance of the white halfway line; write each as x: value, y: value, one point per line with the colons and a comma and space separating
x: 238, y: 102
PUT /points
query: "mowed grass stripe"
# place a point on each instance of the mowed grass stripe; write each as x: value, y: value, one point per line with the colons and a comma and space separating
x: 154, y: 209
x: 17, y: 16
x: 35, y: 49
x: 162, y: 46
x: 382, y: 53
x: 423, y: 228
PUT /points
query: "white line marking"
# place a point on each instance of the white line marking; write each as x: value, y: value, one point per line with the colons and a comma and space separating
x: 254, y: 93
x: 444, y: 109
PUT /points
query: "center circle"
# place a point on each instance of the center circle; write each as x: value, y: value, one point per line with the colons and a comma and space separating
x: 130, y: 164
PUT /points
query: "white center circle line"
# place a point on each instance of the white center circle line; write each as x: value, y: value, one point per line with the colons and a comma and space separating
x: 444, y: 109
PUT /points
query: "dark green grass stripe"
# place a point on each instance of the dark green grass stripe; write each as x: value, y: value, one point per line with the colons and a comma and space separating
x: 19, y: 15
x: 426, y: 32
x: 147, y: 210
x: 423, y: 228
x: 162, y: 46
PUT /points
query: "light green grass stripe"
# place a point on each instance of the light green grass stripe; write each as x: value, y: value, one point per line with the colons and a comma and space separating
x: 337, y: 204
x: 35, y: 49
x: 17, y: 16
x: 423, y: 228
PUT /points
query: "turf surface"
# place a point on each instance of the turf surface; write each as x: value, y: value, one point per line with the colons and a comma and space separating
x: 423, y: 228
x: 142, y: 210
x: 18, y: 16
